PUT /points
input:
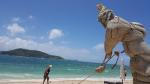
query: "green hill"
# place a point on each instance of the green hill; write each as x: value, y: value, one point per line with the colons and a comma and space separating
x: 29, y: 53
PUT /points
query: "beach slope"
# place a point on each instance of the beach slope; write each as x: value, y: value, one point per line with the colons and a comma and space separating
x: 63, y: 82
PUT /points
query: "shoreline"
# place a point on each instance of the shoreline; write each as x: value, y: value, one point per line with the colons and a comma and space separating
x: 64, y: 79
x: 63, y: 82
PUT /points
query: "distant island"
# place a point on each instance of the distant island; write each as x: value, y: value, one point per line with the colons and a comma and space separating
x: 29, y: 53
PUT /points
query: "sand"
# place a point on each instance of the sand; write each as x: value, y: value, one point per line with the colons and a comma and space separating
x: 61, y: 82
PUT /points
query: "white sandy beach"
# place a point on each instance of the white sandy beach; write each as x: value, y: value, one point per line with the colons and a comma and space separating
x: 101, y: 81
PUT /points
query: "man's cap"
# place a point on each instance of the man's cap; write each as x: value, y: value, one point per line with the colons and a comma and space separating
x: 50, y: 65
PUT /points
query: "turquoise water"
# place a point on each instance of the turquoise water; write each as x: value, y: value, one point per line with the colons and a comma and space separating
x: 33, y: 68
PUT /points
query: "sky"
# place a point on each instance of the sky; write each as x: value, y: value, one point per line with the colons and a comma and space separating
x: 67, y: 28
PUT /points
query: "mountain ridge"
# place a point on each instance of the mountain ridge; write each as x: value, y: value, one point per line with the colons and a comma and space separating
x: 29, y: 53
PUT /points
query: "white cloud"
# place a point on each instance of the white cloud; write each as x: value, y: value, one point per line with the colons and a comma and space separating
x: 42, y: 38
x: 99, y: 47
x: 15, y: 28
x: 30, y: 17
x: 55, y: 33
x: 8, y: 43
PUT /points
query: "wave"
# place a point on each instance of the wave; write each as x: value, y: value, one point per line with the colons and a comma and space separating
x: 18, y: 76
x: 71, y: 69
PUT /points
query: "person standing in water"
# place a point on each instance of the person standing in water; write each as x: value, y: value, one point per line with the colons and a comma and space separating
x: 46, y: 73
x: 123, y: 71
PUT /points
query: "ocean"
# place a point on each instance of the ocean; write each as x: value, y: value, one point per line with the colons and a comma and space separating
x: 14, y: 67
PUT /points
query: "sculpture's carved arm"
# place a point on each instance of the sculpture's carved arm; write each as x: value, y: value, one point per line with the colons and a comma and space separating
x: 116, y: 30
x: 111, y: 39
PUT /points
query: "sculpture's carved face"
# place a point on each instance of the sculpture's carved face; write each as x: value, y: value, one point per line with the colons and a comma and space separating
x: 104, y: 14
x: 101, y: 7
x: 105, y: 17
